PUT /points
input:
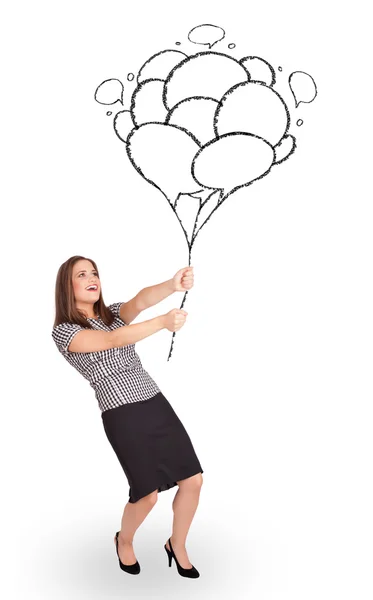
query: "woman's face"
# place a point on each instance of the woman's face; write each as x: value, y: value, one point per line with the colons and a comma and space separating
x: 85, y: 275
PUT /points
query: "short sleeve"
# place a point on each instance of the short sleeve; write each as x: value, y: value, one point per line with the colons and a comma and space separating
x: 63, y: 333
x: 115, y: 308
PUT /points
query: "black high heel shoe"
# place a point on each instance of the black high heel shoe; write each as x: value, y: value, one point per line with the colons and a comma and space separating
x: 192, y: 572
x: 134, y: 569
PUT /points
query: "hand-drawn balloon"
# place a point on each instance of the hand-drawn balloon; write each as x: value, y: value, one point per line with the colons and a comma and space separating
x: 259, y: 69
x: 163, y: 155
x: 109, y: 91
x: 206, y: 74
x: 159, y: 65
x: 147, y: 104
x: 232, y: 161
x: 284, y: 149
x: 207, y: 35
x: 252, y: 107
x: 303, y: 87
x: 196, y: 115
x: 123, y: 124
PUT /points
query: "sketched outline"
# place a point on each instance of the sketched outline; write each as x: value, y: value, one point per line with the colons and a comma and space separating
x: 190, y: 58
x: 153, y: 56
x: 222, y: 198
x: 278, y: 162
x: 138, y: 169
x: 232, y: 89
x: 203, y: 43
x: 133, y: 98
x: 304, y: 101
x: 115, y: 123
x: 267, y: 63
x: 106, y: 81
x: 170, y: 112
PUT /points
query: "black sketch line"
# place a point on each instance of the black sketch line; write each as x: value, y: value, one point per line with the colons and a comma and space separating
x: 258, y: 68
x: 200, y: 127
x: 162, y: 62
x: 151, y: 129
x: 123, y: 124
x: 194, y: 119
x: 223, y: 196
x: 107, y: 90
x: 284, y: 149
x: 252, y: 94
x: 207, y: 76
x: 147, y: 98
x: 305, y: 84
x: 207, y: 32
x: 202, y: 204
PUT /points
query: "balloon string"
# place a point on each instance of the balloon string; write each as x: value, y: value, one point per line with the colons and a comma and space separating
x: 219, y: 203
x: 181, y: 224
x: 182, y: 304
x: 190, y: 244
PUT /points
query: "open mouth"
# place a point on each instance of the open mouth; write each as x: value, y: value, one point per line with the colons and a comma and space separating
x: 92, y: 288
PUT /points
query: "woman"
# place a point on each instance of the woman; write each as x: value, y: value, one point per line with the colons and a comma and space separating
x: 147, y: 436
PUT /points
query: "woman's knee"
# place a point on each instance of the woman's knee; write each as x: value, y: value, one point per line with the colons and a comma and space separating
x: 193, y: 483
x: 151, y: 498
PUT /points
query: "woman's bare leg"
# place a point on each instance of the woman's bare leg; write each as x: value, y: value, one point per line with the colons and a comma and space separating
x: 133, y: 515
x: 184, y: 507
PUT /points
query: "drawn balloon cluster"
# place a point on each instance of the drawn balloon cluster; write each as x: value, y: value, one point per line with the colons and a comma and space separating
x: 202, y: 125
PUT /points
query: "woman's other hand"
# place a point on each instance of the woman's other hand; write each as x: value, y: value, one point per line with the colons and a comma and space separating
x: 174, y: 319
x: 183, y: 280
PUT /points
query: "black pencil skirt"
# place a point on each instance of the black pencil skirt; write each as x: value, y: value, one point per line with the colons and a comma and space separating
x: 151, y: 444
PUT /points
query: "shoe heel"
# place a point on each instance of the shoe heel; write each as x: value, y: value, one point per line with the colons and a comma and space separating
x: 169, y: 554
x: 192, y: 572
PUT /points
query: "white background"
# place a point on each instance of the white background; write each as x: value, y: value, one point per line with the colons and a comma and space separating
x: 272, y: 373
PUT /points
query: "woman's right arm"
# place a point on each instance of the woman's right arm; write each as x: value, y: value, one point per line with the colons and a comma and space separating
x: 89, y: 340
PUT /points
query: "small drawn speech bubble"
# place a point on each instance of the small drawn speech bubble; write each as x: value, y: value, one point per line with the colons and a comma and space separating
x: 252, y: 107
x: 206, y: 74
x: 163, y: 155
x: 303, y: 87
x: 109, y: 91
x: 196, y: 115
x: 207, y: 35
x: 232, y: 161
x: 147, y: 104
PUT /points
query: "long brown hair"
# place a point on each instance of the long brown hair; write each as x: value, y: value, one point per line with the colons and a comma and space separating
x: 66, y: 310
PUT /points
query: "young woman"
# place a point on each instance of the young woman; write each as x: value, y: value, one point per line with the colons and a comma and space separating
x: 147, y: 436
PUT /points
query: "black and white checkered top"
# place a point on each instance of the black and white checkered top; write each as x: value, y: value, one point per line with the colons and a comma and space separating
x: 116, y: 374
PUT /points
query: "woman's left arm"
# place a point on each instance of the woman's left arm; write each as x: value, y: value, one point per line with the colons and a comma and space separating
x: 182, y: 281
